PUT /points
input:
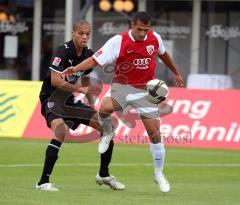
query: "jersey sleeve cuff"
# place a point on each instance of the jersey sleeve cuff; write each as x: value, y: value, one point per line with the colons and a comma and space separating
x: 159, y: 54
x: 96, y: 60
x: 55, y: 70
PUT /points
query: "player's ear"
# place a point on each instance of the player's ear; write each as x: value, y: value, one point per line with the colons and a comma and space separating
x: 131, y: 24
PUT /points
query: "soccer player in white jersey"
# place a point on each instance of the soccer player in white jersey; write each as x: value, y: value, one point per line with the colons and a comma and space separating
x: 133, y: 54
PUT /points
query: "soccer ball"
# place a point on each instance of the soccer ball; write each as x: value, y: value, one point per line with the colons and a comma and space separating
x: 156, y: 91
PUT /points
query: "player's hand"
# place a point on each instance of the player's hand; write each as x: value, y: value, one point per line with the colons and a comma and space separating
x: 179, y: 80
x: 93, y: 90
x: 69, y: 71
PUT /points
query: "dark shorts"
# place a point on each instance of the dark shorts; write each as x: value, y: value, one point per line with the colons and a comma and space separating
x: 72, y: 113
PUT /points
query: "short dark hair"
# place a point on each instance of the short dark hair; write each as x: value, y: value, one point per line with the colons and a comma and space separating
x: 142, y: 16
x: 79, y: 23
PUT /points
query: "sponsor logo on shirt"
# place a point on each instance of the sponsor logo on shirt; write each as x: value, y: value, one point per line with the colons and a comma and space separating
x: 141, y: 63
x: 129, y: 51
x: 150, y: 49
x: 70, y: 61
x: 75, y: 76
x: 56, y: 61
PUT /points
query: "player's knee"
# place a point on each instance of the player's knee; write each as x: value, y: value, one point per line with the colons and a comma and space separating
x: 60, y: 130
x: 105, y: 112
x: 105, y: 109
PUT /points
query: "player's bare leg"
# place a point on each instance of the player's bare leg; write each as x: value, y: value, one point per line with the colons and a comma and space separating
x: 152, y: 127
x: 94, y: 123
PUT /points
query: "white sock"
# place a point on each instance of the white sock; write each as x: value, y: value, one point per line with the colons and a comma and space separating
x: 106, y: 124
x: 158, y: 153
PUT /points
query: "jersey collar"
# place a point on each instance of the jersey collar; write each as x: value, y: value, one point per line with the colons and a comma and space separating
x: 131, y: 36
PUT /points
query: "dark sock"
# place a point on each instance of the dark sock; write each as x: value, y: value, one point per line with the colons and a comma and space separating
x: 50, y: 159
x: 105, y: 160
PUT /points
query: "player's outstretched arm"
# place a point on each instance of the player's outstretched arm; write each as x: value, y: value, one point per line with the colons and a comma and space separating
x: 171, y: 65
x: 85, y: 65
x: 58, y: 82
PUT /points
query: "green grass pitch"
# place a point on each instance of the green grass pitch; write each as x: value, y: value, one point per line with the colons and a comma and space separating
x: 197, y: 176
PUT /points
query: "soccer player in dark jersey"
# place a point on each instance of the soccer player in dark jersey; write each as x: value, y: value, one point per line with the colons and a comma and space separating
x: 61, y: 110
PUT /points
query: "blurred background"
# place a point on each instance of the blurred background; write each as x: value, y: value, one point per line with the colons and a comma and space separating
x: 202, y: 36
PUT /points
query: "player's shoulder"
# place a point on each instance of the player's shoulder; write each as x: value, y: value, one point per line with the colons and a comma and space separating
x: 116, y: 39
x: 88, y: 52
x: 155, y: 34
x: 125, y: 33
x: 63, y: 46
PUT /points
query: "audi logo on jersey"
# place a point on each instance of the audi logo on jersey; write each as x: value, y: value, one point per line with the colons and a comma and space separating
x: 138, y: 63
x: 141, y: 61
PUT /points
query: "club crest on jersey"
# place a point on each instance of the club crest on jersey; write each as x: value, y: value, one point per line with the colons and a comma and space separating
x: 56, y: 61
x: 150, y: 49
x: 50, y: 105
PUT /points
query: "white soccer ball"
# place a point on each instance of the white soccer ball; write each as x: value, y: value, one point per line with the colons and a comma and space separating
x: 156, y: 91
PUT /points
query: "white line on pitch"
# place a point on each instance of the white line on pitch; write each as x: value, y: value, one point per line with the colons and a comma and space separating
x: 125, y: 165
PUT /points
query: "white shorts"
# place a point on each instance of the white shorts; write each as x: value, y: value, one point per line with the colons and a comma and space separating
x: 127, y: 95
